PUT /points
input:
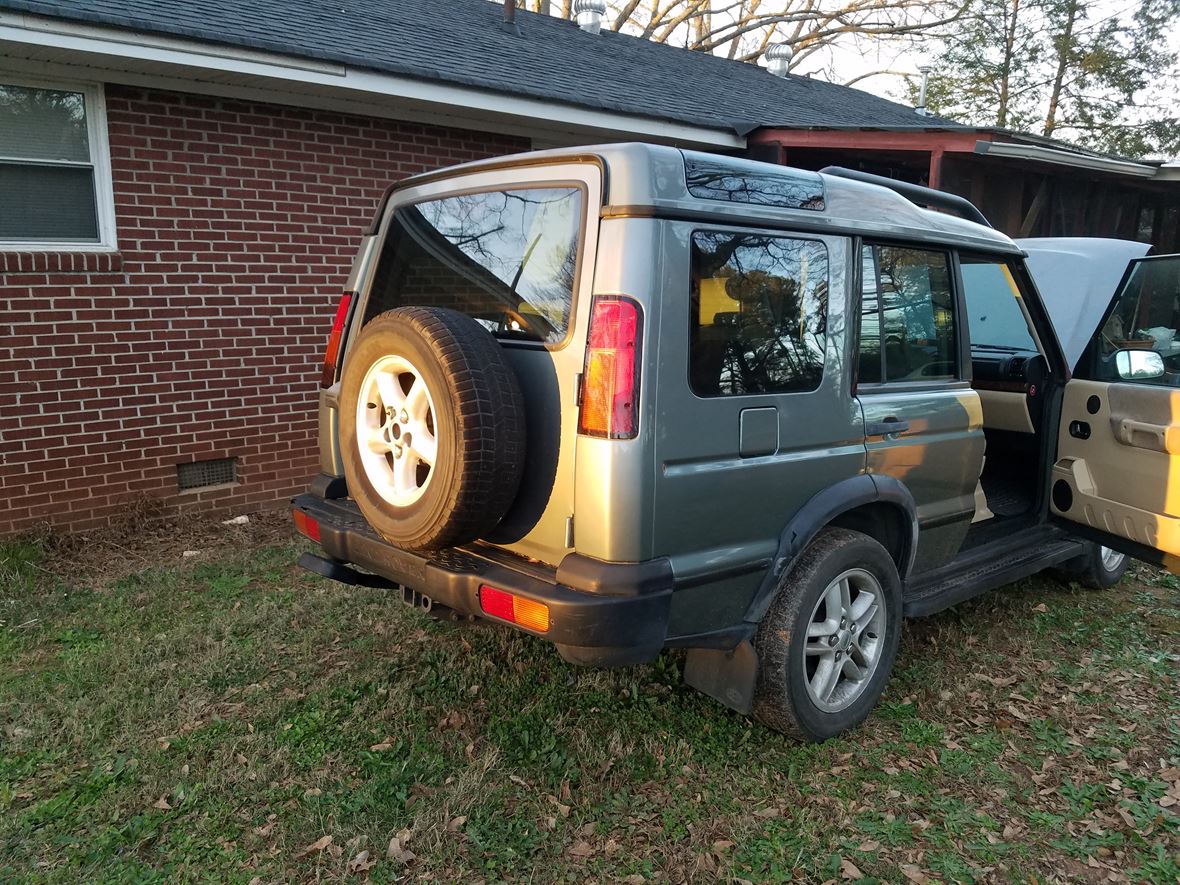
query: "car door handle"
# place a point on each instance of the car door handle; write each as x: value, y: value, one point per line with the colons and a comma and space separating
x: 890, y: 427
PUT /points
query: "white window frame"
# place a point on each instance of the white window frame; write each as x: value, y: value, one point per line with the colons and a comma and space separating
x: 100, y: 161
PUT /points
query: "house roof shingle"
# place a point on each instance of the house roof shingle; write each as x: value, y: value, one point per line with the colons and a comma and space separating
x: 463, y: 42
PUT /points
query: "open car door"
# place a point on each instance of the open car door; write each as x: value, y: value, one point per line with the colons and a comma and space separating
x: 1117, y: 472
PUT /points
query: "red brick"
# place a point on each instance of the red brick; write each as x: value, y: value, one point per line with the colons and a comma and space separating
x: 237, y: 223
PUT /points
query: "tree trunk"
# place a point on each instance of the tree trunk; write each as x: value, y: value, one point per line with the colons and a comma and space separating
x: 1064, y: 51
x: 1006, y: 66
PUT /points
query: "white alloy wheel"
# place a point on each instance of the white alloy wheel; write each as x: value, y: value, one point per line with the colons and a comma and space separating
x: 396, y: 430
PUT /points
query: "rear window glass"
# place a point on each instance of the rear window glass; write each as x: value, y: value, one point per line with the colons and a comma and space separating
x: 746, y: 181
x: 506, y: 258
x: 759, y: 313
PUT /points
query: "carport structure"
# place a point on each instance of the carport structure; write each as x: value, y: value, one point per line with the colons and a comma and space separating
x: 1025, y: 185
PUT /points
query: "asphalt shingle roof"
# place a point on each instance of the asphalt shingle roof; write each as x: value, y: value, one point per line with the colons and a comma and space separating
x: 462, y: 42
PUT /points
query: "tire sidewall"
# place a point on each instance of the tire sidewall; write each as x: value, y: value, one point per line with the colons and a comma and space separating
x: 1100, y: 576
x: 787, y: 620
x: 392, y: 338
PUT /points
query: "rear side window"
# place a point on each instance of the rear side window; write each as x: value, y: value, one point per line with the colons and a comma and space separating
x: 759, y: 313
x: 506, y: 258
x: 907, y: 330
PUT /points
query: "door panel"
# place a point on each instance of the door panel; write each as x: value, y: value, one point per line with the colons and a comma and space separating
x: 938, y: 458
x: 923, y: 423
x: 1118, y: 462
x: 1118, y: 452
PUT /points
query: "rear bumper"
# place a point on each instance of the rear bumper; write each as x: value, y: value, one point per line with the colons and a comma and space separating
x: 602, y: 614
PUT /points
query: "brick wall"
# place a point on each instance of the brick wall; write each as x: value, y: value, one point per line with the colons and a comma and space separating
x: 201, y: 338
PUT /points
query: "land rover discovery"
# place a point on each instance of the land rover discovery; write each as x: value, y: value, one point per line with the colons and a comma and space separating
x: 629, y: 398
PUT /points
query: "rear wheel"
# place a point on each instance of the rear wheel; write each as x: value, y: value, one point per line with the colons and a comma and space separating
x: 432, y: 430
x: 829, y: 639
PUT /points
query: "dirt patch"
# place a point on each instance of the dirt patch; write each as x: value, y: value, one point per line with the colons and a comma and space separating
x: 145, y: 538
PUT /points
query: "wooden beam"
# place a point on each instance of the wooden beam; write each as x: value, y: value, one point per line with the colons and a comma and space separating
x: 1034, y: 211
x: 871, y: 139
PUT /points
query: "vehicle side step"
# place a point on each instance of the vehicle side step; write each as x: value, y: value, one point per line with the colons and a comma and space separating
x: 941, y: 590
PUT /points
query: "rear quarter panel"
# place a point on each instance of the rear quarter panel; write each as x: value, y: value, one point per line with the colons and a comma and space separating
x: 714, y: 510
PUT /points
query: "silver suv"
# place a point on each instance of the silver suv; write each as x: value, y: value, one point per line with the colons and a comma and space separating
x: 629, y: 398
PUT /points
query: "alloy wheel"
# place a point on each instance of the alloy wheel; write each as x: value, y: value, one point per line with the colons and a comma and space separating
x: 396, y: 430
x: 845, y: 640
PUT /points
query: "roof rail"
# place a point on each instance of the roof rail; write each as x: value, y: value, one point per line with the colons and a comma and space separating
x: 915, y: 193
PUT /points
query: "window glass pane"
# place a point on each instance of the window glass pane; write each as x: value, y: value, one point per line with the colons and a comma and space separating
x: 39, y: 203
x: 746, y: 181
x: 759, y: 313
x: 43, y: 124
x: 1138, y: 342
x: 869, y: 369
x: 918, y: 320
x: 994, y: 316
x: 505, y: 258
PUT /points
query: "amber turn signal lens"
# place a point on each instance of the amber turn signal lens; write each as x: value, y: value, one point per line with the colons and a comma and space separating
x: 514, y: 609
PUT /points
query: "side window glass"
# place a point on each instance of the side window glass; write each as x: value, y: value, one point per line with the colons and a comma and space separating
x: 869, y: 368
x: 759, y: 313
x: 995, y: 317
x: 1137, y: 343
x: 917, y: 314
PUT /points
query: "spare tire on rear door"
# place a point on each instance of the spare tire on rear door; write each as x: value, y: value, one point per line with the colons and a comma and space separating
x: 432, y: 429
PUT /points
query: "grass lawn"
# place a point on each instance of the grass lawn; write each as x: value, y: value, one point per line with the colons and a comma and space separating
x: 228, y: 717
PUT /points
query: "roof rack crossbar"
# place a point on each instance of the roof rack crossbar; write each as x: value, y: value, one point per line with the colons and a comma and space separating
x: 915, y: 193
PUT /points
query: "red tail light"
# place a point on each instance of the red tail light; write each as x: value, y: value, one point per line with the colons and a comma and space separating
x: 610, y: 381
x: 305, y: 525
x: 332, y: 354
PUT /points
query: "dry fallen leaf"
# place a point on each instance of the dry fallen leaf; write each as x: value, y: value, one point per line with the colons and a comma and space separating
x: 914, y: 874
x: 849, y: 870
x: 456, y: 823
x: 397, y: 850
x: 768, y: 812
x: 314, y: 848
x: 581, y: 849
x: 361, y: 862
x: 162, y: 804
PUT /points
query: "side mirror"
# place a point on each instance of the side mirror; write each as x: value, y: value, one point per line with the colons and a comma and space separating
x: 1139, y: 365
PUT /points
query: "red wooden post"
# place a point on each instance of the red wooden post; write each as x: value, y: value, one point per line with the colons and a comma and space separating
x: 934, y: 178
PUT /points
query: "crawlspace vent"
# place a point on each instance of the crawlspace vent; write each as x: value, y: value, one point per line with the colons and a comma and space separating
x: 200, y: 474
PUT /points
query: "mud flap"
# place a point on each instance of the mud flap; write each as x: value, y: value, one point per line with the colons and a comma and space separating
x: 728, y: 676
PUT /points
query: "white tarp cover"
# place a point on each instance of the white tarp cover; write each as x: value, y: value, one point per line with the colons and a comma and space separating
x: 1076, y: 277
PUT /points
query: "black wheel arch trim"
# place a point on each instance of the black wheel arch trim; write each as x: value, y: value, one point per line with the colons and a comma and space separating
x: 821, y: 510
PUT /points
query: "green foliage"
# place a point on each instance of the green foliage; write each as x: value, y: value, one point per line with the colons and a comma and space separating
x: 1082, y: 70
